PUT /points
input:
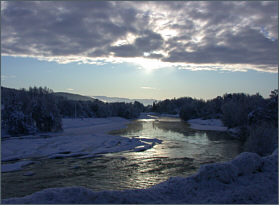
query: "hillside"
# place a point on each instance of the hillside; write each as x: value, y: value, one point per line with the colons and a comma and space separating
x: 71, y: 96
x: 127, y: 100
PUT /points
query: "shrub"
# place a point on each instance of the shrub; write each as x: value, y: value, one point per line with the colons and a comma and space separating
x: 19, y: 123
x: 263, y: 139
x: 234, y: 114
x: 187, y: 112
x: 46, y: 115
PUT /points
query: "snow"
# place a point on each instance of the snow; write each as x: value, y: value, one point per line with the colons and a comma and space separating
x: 210, y: 124
x: 248, y: 178
x: 80, y: 138
x: 247, y: 163
x: 14, y: 166
x: 93, y: 125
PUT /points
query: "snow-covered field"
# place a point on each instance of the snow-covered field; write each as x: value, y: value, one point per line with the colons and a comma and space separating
x: 248, y: 178
x: 81, y: 138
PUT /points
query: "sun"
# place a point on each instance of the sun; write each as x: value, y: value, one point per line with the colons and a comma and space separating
x: 149, y: 65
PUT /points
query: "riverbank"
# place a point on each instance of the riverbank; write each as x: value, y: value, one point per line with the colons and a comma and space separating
x: 213, y: 125
x: 210, y: 124
x: 82, y: 138
x: 196, y: 124
x: 248, y: 178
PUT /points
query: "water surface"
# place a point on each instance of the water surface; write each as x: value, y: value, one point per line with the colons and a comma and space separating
x: 181, y: 153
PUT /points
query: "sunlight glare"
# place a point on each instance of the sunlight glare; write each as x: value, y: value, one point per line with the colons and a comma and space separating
x: 148, y: 65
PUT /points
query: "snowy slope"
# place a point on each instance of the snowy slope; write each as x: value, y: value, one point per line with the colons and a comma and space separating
x: 248, y: 178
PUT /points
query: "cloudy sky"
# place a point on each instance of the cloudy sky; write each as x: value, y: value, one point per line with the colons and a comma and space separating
x: 141, y: 49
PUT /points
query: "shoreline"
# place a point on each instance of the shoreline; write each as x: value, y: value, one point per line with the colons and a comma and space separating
x: 232, y: 176
x: 81, y: 137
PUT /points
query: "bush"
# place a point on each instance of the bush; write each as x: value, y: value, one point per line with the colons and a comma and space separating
x: 46, y: 115
x: 234, y: 114
x: 263, y: 139
x: 19, y: 123
x: 187, y: 112
x: 25, y: 112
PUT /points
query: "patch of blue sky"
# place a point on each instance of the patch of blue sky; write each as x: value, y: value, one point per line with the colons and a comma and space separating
x: 127, y: 80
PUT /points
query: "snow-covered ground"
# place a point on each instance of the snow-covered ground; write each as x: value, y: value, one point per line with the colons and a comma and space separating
x: 210, y: 124
x: 248, y: 178
x: 81, y: 138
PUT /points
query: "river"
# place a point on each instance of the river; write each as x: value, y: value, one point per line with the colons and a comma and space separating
x: 181, y: 153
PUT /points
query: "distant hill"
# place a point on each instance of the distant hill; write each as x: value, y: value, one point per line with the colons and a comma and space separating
x: 127, y: 100
x: 72, y: 96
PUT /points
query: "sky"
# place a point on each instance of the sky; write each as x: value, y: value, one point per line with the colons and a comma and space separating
x: 145, y: 49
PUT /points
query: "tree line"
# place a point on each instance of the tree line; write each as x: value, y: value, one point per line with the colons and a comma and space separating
x: 255, y: 116
x: 237, y: 109
x: 40, y: 110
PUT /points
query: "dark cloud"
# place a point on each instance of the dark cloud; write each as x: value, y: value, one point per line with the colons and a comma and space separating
x: 61, y: 28
x: 149, y: 41
x: 246, y: 47
x: 155, y: 56
x: 125, y: 51
x: 179, y: 32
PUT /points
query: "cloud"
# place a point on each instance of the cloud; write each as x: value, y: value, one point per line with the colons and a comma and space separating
x: 247, y: 46
x: 189, y: 35
x: 148, y: 88
x: 125, y: 51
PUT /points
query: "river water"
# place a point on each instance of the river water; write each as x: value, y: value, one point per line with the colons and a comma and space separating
x: 181, y: 153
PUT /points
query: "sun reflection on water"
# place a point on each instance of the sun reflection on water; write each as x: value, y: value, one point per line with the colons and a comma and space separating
x: 181, y: 153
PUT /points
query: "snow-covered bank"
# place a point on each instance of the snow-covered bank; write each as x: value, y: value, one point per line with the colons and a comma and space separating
x: 248, y: 178
x: 210, y: 124
x: 148, y: 115
x: 154, y: 115
x: 98, y: 126
x: 81, y: 138
x: 198, y: 123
